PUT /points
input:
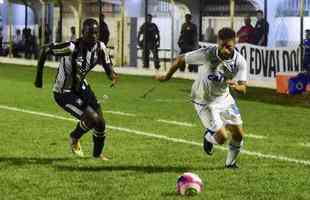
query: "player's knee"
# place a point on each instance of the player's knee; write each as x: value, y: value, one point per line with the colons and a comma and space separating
x: 221, y: 136
x: 238, y: 134
x: 99, y: 124
x: 221, y: 139
x: 94, y: 120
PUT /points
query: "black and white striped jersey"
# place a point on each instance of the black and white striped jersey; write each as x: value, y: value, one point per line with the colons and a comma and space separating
x: 76, y: 61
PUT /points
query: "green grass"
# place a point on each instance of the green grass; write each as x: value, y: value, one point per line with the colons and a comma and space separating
x: 35, y: 161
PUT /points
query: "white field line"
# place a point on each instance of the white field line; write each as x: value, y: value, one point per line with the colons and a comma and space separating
x: 153, y: 135
x: 120, y: 113
x: 255, y: 136
x: 173, y: 100
x: 304, y: 144
x: 173, y: 122
x: 176, y: 123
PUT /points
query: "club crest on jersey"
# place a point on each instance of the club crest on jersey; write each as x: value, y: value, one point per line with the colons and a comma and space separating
x: 217, y: 77
x: 83, y: 67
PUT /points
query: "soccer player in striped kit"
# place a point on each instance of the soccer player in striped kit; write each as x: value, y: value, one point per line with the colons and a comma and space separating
x: 222, y: 68
x: 71, y: 90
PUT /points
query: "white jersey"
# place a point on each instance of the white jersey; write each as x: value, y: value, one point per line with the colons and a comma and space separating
x: 210, y: 84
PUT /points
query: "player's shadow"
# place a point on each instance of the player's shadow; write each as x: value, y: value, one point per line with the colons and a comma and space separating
x: 136, y: 168
x: 61, y: 164
x: 21, y: 161
x: 170, y: 194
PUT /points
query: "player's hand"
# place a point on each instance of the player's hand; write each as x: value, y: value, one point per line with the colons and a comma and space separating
x: 115, y: 77
x: 232, y: 83
x: 161, y: 78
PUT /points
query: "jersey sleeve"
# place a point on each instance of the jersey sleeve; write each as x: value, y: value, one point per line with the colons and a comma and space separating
x: 62, y: 49
x: 242, y: 74
x: 197, y: 57
x: 106, y: 60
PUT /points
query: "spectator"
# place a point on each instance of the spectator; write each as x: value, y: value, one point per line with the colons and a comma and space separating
x: 73, y: 33
x: 261, y: 30
x: 58, y: 32
x: 30, y: 44
x: 18, y: 39
x: 17, y: 44
x: 1, y: 43
x: 47, y: 34
x: 1, y: 39
x: 246, y: 32
x: 104, y: 33
x: 188, y: 40
x: 4, y: 51
x: 307, y: 52
x: 210, y: 35
x: 152, y: 42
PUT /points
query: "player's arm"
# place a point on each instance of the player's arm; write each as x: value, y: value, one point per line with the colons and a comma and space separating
x: 179, y: 63
x: 157, y: 37
x: 45, y: 51
x: 238, y: 86
x: 239, y: 83
x: 107, y: 65
x: 62, y: 49
x: 39, y: 76
x: 197, y: 57
x: 141, y: 32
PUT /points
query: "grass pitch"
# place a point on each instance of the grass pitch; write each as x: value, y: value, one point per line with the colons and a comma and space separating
x: 147, y: 155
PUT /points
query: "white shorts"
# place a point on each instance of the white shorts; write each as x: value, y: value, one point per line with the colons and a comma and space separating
x: 219, y: 113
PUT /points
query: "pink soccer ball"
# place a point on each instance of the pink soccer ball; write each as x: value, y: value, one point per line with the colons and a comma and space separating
x: 189, y: 184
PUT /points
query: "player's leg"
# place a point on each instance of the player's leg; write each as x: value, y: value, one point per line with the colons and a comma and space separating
x: 146, y: 57
x: 99, y: 136
x: 74, y: 105
x: 234, y: 146
x: 97, y: 123
x: 215, y: 132
x: 156, y: 57
x: 237, y: 135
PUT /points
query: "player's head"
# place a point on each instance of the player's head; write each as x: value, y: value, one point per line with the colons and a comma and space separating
x: 73, y: 30
x: 247, y: 20
x: 102, y: 16
x: 90, y: 30
x: 226, y: 42
x: 259, y: 14
x: 149, y: 18
x: 188, y: 17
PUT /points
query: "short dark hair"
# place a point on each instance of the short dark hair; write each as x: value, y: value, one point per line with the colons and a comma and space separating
x: 226, y: 33
x: 149, y: 15
x: 89, y: 24
x: 260, y: 11
x: 188, y: 16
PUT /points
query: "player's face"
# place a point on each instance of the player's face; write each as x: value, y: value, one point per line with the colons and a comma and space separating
x: 226, y: 47
x: 91, y: 33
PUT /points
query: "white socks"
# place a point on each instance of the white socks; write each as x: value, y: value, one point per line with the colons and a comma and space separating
x: 210, y: 137
x: 234, y: 148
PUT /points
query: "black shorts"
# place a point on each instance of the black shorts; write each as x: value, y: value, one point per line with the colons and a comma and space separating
x: 76, y: 102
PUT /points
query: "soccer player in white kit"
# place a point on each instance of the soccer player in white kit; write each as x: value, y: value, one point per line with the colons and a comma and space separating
x: 221, y: 68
